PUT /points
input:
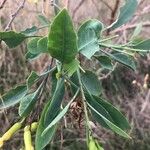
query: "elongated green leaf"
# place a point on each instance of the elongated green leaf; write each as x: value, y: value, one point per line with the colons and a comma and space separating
x: 123, y: 59
x: 117, y: 117
x: 62, y: 39
x: 112, y: 126
x: 71, y: 67
x: 42, y: 45
x: 143, y: 45
x: 100, y: 109
x: 42, y: 141
x: 91, y: 83
x: 30, y: 31
x: 105, y: 62
x: 54, y: 107
x: 60, y: 115
x: 12, y: 39
x: 52, y: 110
x: 88, y: 36
x: 27, y: 103
x: 13, y: 96
x: 126, y: 13
x: 33, y: 77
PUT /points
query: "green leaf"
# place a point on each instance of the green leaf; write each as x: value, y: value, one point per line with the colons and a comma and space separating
x: 105, y: 62
x: 62, y: 39
x: 71, y: 67
x: 123, y: 59
x: 32, y: 46
x: 91, y: 82
x: 12, y: 39
x: 126, y: 13
x: 33, y: 77
x: 31, y: 56
x: 88, y: 36
x: 111, y: 125
x: 117, y: 117
x: 143, y: 45
x: 30, y: 31
x: 13, y: 96
x: 27, y: 103
x: 42, y: 45
x: 60, y: 115
x: 91, y: 101
x: 56, y: 101
x: 43, y: 20
x: 42, y: 141
x: 50, y: 112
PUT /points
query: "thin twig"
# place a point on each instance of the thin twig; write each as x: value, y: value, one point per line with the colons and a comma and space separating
x: 77, y: 7
x: 2, y: 4
x: 13, y: 16
x: 128, y: 27
x: 107, y: 5
x: 113, y: 13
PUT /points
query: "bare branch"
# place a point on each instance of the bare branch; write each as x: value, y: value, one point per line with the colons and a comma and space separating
x: 13, y: 16
x: 2, y: 4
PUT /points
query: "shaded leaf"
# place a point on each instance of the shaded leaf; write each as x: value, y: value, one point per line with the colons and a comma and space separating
x: 62, y: 39
x: 30, y: 31
x: 12, y: 39
x: 88, y: 36
x: 13, y: 96
x: 105, y: 62
x: 42, y: 141
x: 117, y: 117
x: 111, y: 125
x: 33, y: 77
x: 50, y: 112
x: 60, y: 115
x: 123, y: 59
x: 27, y: 103
x: 54, y: 107
x: 126, y: 13
x: 31, y: 56
x: 143, y: 45
x: 91, y: 82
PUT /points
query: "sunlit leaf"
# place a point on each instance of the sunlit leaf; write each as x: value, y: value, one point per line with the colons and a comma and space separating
x: 62, y: 39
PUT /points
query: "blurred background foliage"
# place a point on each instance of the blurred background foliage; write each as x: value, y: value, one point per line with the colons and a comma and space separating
x: 124, y: 87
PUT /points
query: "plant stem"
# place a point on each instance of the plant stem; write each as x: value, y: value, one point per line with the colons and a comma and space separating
x: 110, y: 38
x: 88, y: 128
x: 122, y: 47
